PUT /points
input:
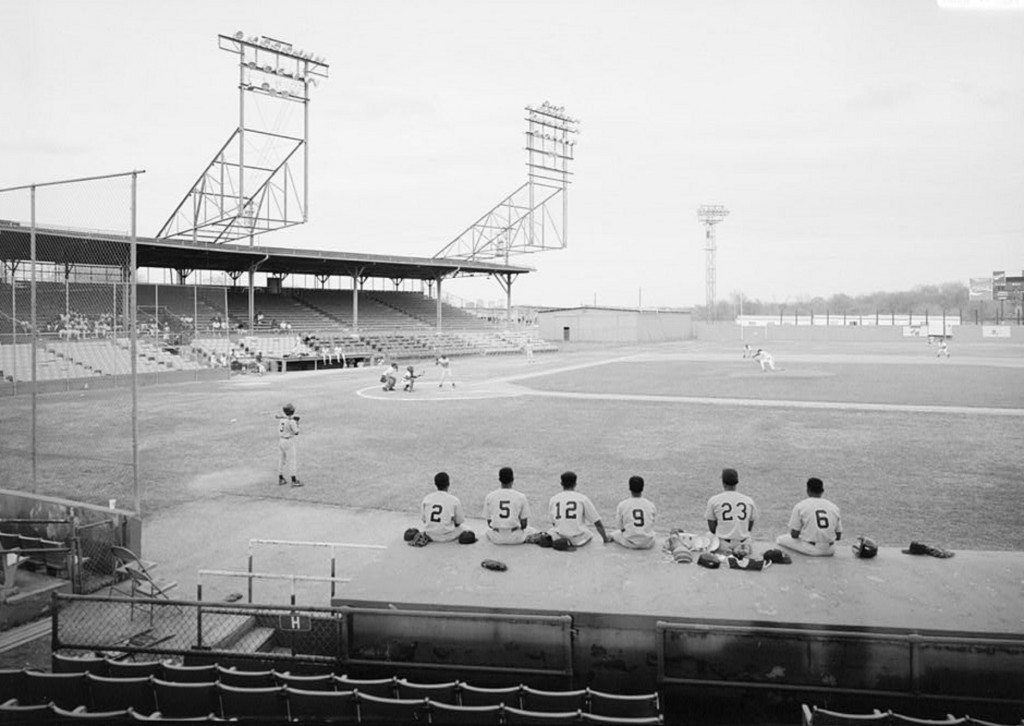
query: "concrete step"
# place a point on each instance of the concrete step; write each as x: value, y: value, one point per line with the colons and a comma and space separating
x: 255, y: 641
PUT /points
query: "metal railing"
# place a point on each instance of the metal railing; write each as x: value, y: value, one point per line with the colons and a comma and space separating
x: 250, y: 576
x: 333, y: 546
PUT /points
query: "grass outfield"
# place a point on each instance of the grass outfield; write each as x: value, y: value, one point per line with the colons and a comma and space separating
x: 909, y: 446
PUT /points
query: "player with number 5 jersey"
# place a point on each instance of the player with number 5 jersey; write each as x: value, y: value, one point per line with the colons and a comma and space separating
x: 442, y: 512
x: 814, y: 525
x: 731, y: 516
x: 570, y: 512
x: 507, y: 512
x: 634, y: 518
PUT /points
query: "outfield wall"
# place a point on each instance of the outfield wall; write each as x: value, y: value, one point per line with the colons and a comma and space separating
x: 730, y: 332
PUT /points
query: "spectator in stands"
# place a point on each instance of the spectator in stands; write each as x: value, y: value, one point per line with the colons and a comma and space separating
x: 507, y: 511
x: 814, y: 525
x: 634, y: 518
x: 441, y: 512
x: 731, y: 515
x: 570, y: 512
x: 259, y: 317
x: 339, y: 354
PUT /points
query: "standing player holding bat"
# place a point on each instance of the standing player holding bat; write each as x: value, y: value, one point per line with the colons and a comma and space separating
x: 287, y: 431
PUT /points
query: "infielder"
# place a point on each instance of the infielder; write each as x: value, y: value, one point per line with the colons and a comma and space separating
x: 814, y: 525
x: 943, y: 349
x: 766, y: 359
x: 571, y: 511
x: 446, y: 370
x: 507, y: 512
x: 731, y: 516
x: 287, y: 431
x: 634, y: 518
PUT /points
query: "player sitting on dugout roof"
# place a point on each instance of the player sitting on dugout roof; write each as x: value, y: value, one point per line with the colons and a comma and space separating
x: 814, y: 525
x: 441, y: 512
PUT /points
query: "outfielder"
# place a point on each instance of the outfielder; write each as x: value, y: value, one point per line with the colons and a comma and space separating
x: 814, y: 525
x: 287, y: 431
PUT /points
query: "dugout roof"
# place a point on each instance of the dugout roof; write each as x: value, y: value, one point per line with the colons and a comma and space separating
x: 85, y: 248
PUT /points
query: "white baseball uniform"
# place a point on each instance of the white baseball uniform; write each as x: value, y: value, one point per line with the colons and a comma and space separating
x: 570, y: 512
x: 734, y: 513
x: 504, y: 509
x: 817, y: 520
x: 634, y: 523
x: 442, y: 516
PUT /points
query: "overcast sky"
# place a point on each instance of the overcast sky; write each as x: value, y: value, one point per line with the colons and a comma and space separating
x: 860, y: 146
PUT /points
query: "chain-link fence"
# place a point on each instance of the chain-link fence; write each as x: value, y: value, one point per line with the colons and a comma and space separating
x: 68, y: 328
x: 182, y: 630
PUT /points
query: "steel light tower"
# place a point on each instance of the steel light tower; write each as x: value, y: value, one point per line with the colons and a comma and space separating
x: 258, y: 182
x: 709, y: 215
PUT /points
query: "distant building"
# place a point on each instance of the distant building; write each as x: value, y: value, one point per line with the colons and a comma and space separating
x: 615, y: 325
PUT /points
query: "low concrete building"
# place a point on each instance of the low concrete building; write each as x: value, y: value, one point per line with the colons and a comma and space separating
x: 615, y: 325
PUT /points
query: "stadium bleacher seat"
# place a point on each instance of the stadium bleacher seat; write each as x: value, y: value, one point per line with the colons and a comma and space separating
x: 67, y: 690
x: 268, y: 703
x: 95, y: 664
x: 112, y: 694
x: 375, y: 709
x: 477, y: 696
x: 186, y: 700
x: 317, y: 706
x: 437, y: 692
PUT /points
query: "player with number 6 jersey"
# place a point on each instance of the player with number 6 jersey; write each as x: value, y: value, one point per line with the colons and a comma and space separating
x: 507, y: 512
x: 814, y: 525
x: 634, y: 518
x: 570, y: 512
x: 731, y: 516
x: 442, y: 512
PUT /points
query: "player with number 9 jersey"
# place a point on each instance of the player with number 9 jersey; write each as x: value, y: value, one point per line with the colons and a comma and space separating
x: 634, y: 518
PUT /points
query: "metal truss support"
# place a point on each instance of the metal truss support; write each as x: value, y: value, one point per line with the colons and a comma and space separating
x: 258, y: 181
x: 533, y: 218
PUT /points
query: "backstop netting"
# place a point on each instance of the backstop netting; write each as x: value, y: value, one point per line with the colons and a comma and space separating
x: 69, y: 339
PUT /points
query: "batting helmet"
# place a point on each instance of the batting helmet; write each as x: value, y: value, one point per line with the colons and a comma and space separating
x: 864, y: 547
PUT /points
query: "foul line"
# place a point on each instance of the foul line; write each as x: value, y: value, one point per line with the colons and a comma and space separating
x: 781, y: 403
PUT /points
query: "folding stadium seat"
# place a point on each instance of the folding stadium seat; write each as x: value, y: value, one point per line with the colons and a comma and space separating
x: 322, y: 706
x: 112, y: 694
x: 11, y: 682
x: 134, y: 668
x: 621, y: 720
x: 245, y: 679
x: 379, y: 687
x: 626, y: 706
x: 11, y: 711
x: 374, y: 709
x: 322, y: 682
x: 436, y: 692
x: 814, y: 716
x: 254, y: 703
x: 446, y: 713
x: 67, y: 690
x: 538, y: 700
x: 518, y: 717
x: 898, y: 719
x: 78, y: 664
x: 476, y: 696
x: 186, y: 700
x: 63, y: 715
x: 189, y: 674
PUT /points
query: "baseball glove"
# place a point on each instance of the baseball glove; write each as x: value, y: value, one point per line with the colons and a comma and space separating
x: 777, y: 557
x: 420, y: 539
x: 410, y: 533
x: 864, y: 547
x: 541, y: 538
x: 562, y: 544
x: 748, y: 563
x: 919, y: 548
x: 467, y: 537
x: 495, y: 565
x: 709, y: 560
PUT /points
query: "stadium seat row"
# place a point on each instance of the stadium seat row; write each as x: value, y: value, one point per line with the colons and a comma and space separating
x: 228, y: 692
x: 814, y: 716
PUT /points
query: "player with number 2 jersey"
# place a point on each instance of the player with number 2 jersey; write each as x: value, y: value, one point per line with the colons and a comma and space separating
x: 442, y: 512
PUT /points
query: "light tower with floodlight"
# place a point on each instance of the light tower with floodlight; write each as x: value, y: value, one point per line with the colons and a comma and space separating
x: 709, y: 215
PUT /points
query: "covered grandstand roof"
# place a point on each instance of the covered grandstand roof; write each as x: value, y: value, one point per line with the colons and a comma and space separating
x: 86, y: 248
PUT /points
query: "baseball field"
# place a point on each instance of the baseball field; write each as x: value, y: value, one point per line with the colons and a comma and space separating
x: 910, y: 446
